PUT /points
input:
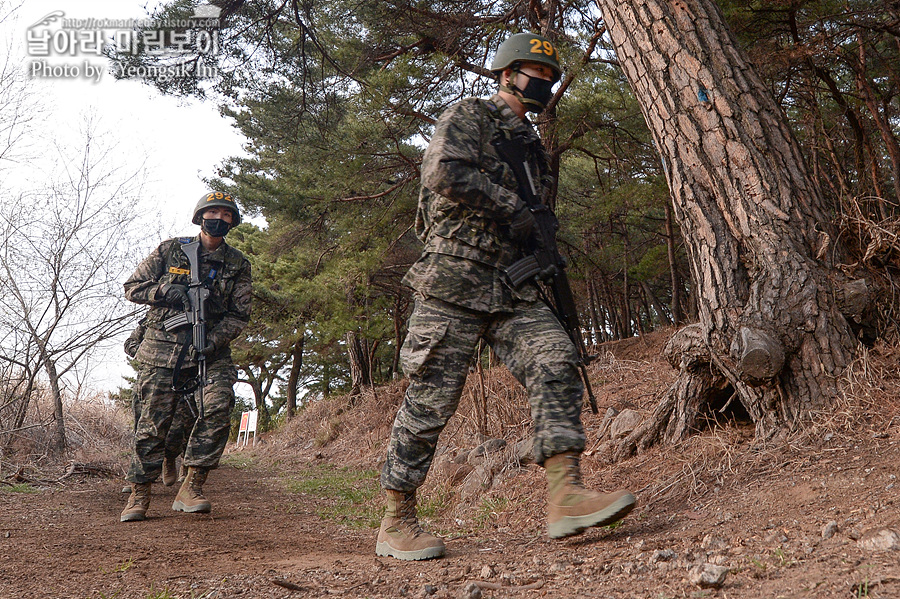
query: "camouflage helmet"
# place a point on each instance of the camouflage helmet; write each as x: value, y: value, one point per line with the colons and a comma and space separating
x: 526, y: 47
x: 216, y: 199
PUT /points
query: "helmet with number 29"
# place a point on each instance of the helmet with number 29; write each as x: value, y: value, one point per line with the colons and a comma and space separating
x: 216, y: 199
x: 526, y: 47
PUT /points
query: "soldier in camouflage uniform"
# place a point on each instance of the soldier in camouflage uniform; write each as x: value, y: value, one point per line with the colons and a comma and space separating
x: 473, y: 225
x: 182, y: 421
x: 161, y: 282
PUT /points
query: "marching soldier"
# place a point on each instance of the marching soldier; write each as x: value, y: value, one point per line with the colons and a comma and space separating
x: 473, y: 225
x: 168, y: 360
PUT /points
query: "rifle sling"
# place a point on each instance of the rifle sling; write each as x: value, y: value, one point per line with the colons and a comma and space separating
x: 191, y: 384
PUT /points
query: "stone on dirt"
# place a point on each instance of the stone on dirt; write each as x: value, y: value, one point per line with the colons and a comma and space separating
x: 881, y: 539
x: 708, y: 576
x: 625, y: 422
x: 829, y: 530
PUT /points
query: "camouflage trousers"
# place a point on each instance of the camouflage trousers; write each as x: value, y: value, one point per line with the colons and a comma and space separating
x: 159, y: 404
x: 435, y: 356
x: 182, y: 423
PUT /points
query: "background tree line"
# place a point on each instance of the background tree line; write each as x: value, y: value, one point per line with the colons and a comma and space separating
x: 337, y: 100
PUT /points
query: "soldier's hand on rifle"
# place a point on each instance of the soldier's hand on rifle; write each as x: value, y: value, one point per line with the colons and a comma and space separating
x: 174, y: 295
x: 208, y: 350
x: 522, y: 224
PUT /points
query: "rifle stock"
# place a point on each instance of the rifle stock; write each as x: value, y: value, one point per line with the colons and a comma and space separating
x: 544, y: 263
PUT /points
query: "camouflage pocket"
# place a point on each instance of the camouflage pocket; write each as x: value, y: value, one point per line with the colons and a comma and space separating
x: 423, y: 338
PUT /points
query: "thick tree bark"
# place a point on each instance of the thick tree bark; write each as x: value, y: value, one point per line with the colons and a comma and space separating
x: 750, y: 213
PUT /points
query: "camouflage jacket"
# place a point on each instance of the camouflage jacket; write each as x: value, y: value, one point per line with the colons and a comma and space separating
x: 228, y: 305
x: 466, y: 202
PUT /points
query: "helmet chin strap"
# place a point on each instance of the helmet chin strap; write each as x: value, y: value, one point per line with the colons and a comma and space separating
x: 530, y: 103
x: 511, y: 87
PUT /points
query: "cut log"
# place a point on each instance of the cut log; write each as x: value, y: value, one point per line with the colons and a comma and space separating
x: 759, y: 355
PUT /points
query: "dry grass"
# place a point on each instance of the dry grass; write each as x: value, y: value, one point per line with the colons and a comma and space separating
x: 98, y: 437
x: 97, y: 431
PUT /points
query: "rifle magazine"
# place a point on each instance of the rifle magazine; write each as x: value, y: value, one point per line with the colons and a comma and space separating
x: 523, y: 270
x: 174, y: 322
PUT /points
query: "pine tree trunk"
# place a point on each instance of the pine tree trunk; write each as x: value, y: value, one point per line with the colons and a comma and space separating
x: 661, y: 312
x: 884, y: 128
x: 360, y: 366
x: 752, y: 218
x: 399, y: 318
x: 627, y: 318
x: 259, y: 399
x: 294, y: 375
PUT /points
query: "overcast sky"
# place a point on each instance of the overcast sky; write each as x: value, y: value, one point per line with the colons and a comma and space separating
x: 178, y: 142
x: 181, y: 141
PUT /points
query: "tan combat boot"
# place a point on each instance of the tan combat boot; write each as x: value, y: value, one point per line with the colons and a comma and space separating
x: 190, y: 496
x: 572, y: 507
x: 138, y: 502
x: 400, y: 535
x: 182, y: 472
x: 169, y: 471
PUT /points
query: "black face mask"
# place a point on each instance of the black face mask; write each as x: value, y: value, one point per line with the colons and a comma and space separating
x: 215, y: 227
x: 536, y: 94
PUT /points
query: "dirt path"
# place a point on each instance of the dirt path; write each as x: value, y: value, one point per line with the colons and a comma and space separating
x: 813, y: 518
x: 791, y: 521
x: 68, y: 542
x: 261, y: 542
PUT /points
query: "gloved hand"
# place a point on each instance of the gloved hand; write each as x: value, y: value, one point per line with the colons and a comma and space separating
x: 522, y: 223
x: 174, y: 295
x: 208, y: 350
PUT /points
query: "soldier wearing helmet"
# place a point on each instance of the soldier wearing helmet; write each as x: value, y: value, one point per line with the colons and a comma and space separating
x: 527, y: 67
x: 474, y: 225
x: 209, y: 220
x: 167, y: 358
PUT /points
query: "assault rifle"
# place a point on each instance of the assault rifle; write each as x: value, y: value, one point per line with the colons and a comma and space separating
x: 544, y: 262
x: 195, y: 315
